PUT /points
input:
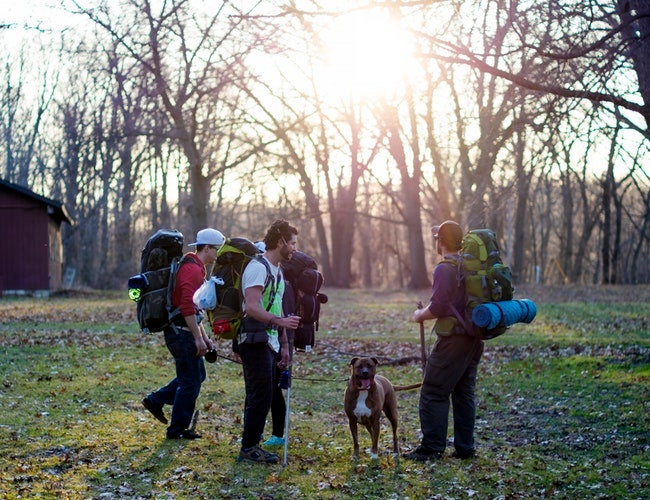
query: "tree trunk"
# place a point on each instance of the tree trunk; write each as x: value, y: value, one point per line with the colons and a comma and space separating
x: 637, y: 37
x: 522, y: 190
x: 606, y: 226
x: 410, y: 198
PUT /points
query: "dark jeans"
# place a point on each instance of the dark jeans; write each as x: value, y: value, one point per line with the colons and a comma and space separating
x: 183, y: 390
x: 450, y: 372
x: 258, y: 360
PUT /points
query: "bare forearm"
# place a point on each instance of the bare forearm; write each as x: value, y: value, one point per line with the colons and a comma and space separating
x: 422, y: 314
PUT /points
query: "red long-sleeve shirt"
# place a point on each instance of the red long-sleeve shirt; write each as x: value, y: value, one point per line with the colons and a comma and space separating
x: 189, y: 278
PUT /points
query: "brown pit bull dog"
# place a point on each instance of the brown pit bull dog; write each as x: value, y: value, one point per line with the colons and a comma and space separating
x: 366, y: 396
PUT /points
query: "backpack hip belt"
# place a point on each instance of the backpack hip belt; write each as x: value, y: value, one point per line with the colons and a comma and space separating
x: 251, y: 325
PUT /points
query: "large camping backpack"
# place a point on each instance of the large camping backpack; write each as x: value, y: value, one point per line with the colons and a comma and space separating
x: 161, y: 257
x: 304, y: 282
x: 232, y: 258
x: 486, y: 277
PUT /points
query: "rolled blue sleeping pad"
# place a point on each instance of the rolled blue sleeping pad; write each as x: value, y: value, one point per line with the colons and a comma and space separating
x: 508, y: 312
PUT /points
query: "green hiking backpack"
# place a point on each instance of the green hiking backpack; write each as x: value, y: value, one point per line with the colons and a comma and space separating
x: 486, y: 278
x: 232, y: 258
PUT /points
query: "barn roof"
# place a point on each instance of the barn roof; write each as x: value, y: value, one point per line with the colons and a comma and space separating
x: 55, y: 208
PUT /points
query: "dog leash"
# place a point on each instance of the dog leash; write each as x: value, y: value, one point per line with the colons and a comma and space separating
x: 353, y: 354
x: 308, y: 379
x: 229, y: 359
x: 338, y: 351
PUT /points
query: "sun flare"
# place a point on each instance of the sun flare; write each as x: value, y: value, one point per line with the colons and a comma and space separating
x: 367, y: 55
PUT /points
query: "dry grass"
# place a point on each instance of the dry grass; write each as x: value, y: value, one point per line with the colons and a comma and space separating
x: 563, y: 405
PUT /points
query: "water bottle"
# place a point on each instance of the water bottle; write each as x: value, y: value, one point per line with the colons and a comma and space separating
x: 285, y: 379
x: 137, y: 284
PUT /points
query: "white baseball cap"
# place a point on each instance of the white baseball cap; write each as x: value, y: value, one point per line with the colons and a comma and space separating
x: 208, y: 236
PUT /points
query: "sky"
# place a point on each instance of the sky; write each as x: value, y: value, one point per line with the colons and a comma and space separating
x: 47, y: 13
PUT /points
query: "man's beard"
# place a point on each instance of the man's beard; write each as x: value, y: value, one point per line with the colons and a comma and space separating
x: 286, y: 253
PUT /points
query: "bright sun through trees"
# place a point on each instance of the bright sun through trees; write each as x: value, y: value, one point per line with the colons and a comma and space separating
x: 367, y: 54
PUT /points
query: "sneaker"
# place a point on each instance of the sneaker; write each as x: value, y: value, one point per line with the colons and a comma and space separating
x: 421, y: 455
x: 274, y: 441
x: 155, y: 410
x: 186, y: 434
x: 257, y: 455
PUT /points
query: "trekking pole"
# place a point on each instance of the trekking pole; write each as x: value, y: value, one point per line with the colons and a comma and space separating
x: 285, y: 383
x: 195, y: 420
x: 422, y: 346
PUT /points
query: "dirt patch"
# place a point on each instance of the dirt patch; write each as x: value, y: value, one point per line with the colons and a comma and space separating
x: 402, y: 353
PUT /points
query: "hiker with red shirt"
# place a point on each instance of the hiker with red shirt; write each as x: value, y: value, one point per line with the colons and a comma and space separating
x: 186, y: 340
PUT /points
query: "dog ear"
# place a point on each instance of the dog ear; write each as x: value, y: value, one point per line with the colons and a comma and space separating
x: 353, y: 361
x: 375, y: 361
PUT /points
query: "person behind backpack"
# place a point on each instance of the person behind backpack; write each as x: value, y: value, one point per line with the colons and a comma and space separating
x: 186, y: 340
x: 453, y: 362
x: 262, y: 335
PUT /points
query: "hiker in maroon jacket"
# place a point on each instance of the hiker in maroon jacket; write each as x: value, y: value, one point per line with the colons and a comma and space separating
x: 186, y: 340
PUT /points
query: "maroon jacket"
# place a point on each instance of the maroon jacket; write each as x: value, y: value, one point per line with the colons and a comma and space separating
x: 189, y: 278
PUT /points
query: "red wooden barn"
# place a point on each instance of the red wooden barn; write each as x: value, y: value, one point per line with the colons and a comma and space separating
x: 31, y: 252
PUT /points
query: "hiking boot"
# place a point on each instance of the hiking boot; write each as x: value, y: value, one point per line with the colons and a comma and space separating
x: 257, y: 455
x: 186, y: 434
x: 274, y: 441
x: 463, y: 455
x: 155, y: 410
x: 422, y: 455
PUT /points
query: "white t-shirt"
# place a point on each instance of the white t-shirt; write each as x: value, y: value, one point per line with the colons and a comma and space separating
x: 255, y: 275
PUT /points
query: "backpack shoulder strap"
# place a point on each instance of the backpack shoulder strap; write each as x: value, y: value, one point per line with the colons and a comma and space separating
x: 459, y: 266
x: 270, y: 280
x: 460, y: 276
x: 174, y: 267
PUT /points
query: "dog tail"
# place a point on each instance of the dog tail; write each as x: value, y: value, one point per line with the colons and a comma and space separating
x: 407, y: 387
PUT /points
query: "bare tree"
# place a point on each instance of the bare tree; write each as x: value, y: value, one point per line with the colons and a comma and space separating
x: 402, y: 137
x: 124, y: 152
x: 300, y: 140
x: 76, y: 178
x: 193, y: 58
x: 616, y: 188
x: 23, y: 106
x: 606, y: 39
x: 634, y: 27
x: 530, y: 117
x: 639, y: 267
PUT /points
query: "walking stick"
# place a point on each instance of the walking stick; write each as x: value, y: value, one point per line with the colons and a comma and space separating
x: 422, y: 346
x: 285, y: 383
x: 194, y: 421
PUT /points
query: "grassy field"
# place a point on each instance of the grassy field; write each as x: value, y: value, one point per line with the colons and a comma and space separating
x: 563, y: 405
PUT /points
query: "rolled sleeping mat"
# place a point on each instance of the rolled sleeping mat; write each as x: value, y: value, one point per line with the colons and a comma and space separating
x: 507, y: 312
